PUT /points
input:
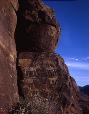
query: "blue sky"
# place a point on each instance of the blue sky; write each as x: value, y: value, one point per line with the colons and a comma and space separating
x: 73, y: 46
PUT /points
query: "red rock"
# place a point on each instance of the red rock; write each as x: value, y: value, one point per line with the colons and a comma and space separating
x: 37, y: 29
x: 8, y: 76
x: 46, y: 85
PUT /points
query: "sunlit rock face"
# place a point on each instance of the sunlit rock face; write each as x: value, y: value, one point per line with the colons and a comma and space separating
x: 45, y: 86
x: 8, y: 77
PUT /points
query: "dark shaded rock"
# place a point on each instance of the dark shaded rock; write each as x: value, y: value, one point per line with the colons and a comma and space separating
x: 8, y: 77
x: 85, y: 89
x: 21, y: 108
x: 46, y: 85
x: 84, y: 99
x: 37, y: 29
x: 84, y: 103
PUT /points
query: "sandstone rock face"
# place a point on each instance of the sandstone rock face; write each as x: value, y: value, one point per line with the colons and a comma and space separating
x: 46, y: 85
x: 8, y: 77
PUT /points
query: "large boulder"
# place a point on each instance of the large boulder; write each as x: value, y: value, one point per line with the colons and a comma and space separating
x: 8, y: 76
x: 37, y: 29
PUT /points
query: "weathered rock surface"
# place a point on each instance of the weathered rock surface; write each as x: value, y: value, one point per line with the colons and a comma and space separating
x: 8, y: 77
x: 37, y: 29
x: 45, y: 84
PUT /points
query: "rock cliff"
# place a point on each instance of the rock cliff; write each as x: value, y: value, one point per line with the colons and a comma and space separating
x: 45, y: 84
x: 43, y: 79
x: 42, y: 84
x: 37, y: 30
x: 8, y: 76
